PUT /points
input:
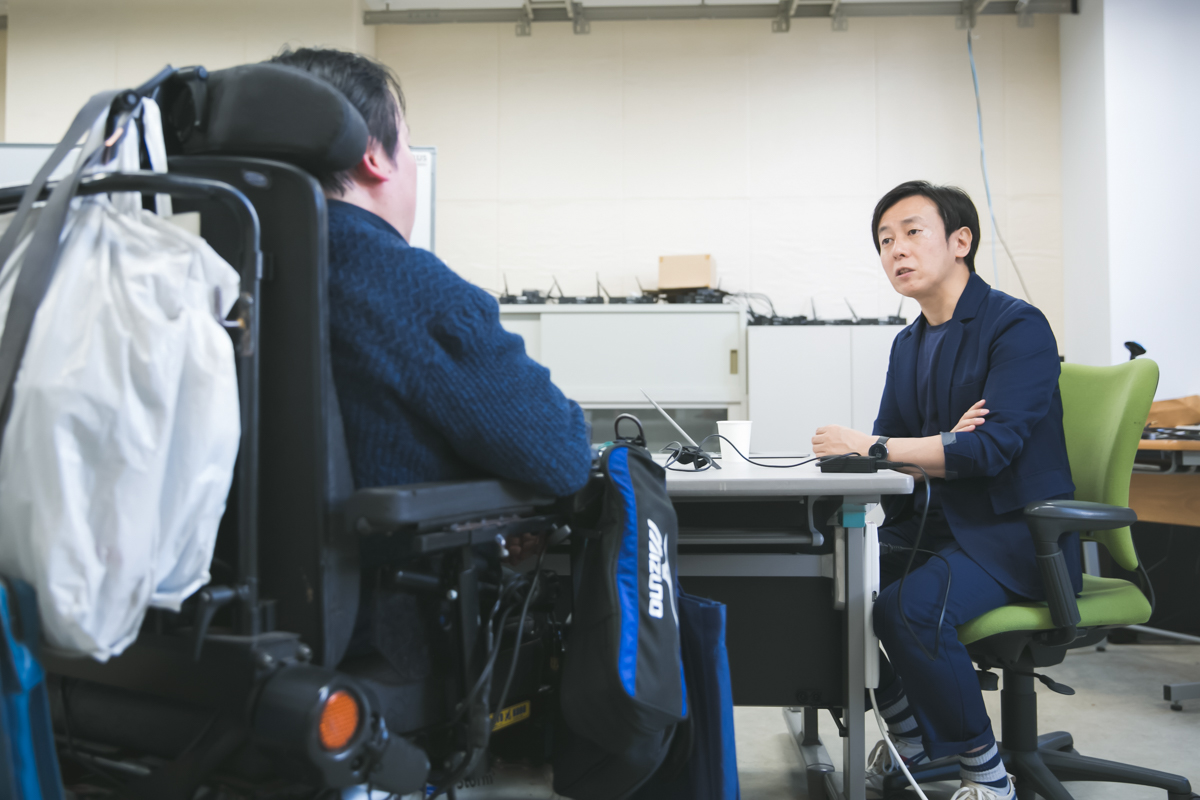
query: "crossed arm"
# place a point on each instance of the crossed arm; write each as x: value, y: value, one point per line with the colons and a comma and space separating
x: 927, y: 451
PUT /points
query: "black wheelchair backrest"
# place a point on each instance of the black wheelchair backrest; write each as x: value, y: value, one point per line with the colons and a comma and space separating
x: 307, y: 566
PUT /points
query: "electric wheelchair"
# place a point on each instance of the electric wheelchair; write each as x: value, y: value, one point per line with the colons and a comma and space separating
x: 249, y: 691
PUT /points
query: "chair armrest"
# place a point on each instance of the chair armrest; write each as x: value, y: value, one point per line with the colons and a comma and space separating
x: 425, y: 506
x: 1048, y: 521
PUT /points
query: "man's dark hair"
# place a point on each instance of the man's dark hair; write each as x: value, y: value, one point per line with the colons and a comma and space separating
x: 370, y: 87
x: 953, y: 205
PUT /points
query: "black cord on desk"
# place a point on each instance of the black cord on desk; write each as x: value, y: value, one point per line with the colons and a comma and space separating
x: 676, y: 449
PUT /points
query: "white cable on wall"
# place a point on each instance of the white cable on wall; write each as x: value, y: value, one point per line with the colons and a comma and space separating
x: 987, y: 188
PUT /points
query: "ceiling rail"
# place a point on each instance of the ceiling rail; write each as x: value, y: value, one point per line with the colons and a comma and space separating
x: 839, y: 10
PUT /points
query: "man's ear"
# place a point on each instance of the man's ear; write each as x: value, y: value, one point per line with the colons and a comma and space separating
x: 374, y: 167
x: 960, y: 242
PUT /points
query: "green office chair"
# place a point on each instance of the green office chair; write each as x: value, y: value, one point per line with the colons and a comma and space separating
x: 1104, y: 411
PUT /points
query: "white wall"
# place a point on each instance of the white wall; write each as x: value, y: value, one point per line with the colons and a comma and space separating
x: 1086, y: 304
x: 3, y: 79
x: 1131, y: 67
x: 563, y: 155
x: 60, y: 52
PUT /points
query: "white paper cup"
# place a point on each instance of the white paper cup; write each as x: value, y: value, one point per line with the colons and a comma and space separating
x: 738, y: 433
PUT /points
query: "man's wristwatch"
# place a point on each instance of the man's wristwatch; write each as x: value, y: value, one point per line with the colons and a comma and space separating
x: 879, y: 449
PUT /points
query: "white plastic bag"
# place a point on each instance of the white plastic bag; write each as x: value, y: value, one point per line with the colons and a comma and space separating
x: 119, y: 452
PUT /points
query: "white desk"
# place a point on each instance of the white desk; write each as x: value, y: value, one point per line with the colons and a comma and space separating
x: 750, y: 480
x: 853, y: 565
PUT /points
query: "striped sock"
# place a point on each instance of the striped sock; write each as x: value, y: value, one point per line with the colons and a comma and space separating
x: 903, y: 726
x: 986, y: 768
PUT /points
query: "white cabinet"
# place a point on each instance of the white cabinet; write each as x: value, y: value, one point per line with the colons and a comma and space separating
x: 805, y: 376
x: 602, y: 356
x: 870, y: 348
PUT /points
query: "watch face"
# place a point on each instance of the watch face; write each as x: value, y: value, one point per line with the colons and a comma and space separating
x: 878, y: 450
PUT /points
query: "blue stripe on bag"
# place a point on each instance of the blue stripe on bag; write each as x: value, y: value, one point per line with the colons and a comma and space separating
x: 682, y: 682
x: 627, y: 572
x: 21, y: 673
x: 682, y: 671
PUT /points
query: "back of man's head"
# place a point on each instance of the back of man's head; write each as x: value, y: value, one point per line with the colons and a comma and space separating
x: 370, y: 87
x: 953, y: 204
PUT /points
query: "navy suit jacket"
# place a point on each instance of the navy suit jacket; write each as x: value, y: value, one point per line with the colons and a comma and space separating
x: 999, y: 349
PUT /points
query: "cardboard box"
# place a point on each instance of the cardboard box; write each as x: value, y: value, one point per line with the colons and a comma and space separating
x: 686, y: 272
x: 1173, y: 413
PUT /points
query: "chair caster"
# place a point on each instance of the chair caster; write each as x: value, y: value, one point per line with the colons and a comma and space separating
x: 1178, y: 706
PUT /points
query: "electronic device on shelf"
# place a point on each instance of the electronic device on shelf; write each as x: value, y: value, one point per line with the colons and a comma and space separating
x: 763, y: 319
x: 528, y: 297
x: 632, y: 299
x: 567, y: 300
x: 894, y: 319
x: 645, y: 299
x: 694, y: 296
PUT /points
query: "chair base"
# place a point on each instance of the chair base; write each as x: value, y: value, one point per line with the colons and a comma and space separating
x: 1041, y: 763
x: 1040, y: 773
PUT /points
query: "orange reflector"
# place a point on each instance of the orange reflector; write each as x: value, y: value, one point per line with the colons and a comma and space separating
x: 339, y: 720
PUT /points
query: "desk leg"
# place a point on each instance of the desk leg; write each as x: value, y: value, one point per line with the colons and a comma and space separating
x: 854, y: 754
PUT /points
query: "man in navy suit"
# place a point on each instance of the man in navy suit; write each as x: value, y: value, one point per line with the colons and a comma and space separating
x: 972, y: 397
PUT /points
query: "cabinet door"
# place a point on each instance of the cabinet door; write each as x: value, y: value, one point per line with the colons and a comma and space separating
x: 529, y: 328
x: 870, y: 347
x: 678, y: 358
x: 800, y: 379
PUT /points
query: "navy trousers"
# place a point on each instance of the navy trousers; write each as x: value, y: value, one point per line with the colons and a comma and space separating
x: 943, y: 692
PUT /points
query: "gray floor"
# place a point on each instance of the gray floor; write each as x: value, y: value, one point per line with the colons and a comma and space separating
x: 1117, y: 713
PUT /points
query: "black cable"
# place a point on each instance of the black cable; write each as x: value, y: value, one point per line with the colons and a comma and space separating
x: 1164, y: 559
x: 1149, y: 588
x: 484, y: 684
x: 759, y: 463
x: 897, y: 465
x: 488, y: 670
x: 493, y: 650
x: 512, y: 669
x: 678, y: 449
x: 945, y: 595
x: 695, y: 456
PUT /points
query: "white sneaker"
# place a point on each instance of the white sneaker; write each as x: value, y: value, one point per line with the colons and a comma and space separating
x: 974, y: 791
x: 880, y: 764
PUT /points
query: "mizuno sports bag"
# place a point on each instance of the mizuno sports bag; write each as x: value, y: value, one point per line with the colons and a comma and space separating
x: 623, y: 671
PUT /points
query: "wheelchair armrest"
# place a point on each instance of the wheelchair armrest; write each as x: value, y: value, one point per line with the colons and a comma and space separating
x: 1048, y: 521
x: 424, y: 506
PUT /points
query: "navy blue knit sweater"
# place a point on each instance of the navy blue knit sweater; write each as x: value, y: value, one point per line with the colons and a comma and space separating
x: 432, y: 388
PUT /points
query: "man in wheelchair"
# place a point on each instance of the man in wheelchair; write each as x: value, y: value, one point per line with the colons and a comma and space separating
x: 360, y: 627
x: 431, y: 387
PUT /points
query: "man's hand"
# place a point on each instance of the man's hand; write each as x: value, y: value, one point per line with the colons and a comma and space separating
x: 972, y: 419
x: 834, y: 440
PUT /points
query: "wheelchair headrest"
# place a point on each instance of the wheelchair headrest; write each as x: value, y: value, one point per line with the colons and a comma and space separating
x: 262, y: 110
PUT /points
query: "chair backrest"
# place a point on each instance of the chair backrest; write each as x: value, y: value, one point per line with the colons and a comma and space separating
x: 307, y: 564
x: 227, y: 125
x: 1104, y: 412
